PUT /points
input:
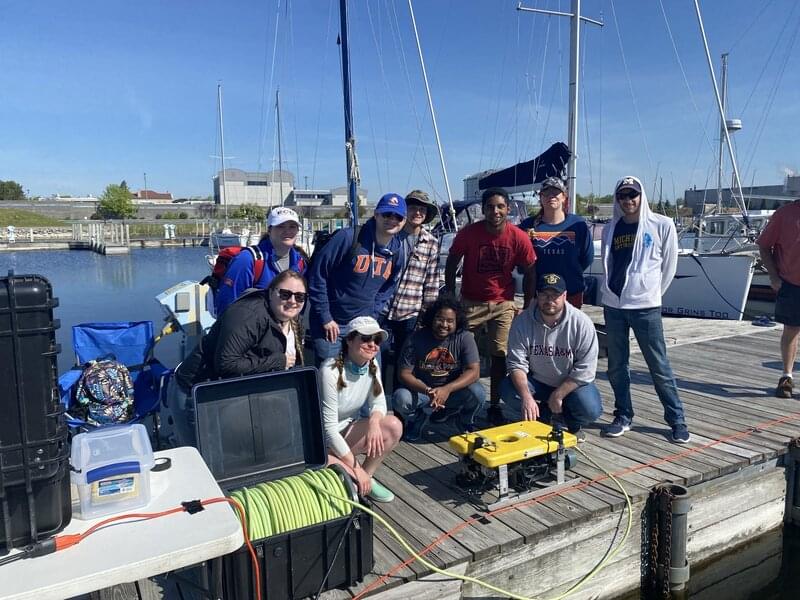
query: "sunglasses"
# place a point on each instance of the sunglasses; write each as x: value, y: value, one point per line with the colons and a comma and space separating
x: 392, y: 215
x: 366, y: 339
x: 285, y: 295
x: 627, y: 195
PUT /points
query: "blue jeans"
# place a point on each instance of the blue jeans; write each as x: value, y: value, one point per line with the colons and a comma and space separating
x: 581, y: 406
x: 649, y: 332
x: 399, y: 332
x: 466, y: 401
x: 323, y: 349
x: 179, y: 415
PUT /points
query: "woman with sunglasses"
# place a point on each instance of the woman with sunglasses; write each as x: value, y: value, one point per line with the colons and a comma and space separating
x: 258, y: 333
x: 349, y: 382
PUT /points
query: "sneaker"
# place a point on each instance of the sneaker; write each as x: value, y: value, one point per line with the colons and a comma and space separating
x: 413, y: 428
x: 680, y: 433
x: 785, y: 387
x: 494, y: 414
x: 619, y: 426
x: 440, y: 416
x: 380, y: 493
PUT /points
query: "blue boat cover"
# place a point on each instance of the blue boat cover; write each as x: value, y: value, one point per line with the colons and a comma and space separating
x: 550, y: 163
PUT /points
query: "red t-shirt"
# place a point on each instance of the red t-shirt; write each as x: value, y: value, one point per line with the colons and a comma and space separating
x: 489, y: 260
x: 782, y: 236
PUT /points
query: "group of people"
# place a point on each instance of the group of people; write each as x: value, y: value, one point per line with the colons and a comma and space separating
x: 373, y: 295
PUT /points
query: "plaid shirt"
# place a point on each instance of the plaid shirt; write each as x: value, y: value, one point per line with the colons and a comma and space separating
x: 419, y: 284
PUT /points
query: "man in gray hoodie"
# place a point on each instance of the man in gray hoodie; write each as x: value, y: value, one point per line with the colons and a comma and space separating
x: 640, y: 256
x: 552, y: 359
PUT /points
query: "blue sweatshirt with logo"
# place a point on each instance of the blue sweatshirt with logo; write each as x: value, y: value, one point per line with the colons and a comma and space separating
x: 344, y: 284
x: 565, y: 248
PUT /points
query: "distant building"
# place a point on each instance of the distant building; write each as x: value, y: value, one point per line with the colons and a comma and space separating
x: 60, y: 198
x: 276, y: 188
x: 152, y: 196
x: 757, y: 197
x: 310, y: 198
x: 262, y: 189
x: 339, y: 196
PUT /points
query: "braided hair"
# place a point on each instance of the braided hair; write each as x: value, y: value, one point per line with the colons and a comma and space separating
x: 338, y: 364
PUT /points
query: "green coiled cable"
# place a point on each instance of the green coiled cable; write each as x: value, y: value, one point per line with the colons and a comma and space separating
x: 293, y: 502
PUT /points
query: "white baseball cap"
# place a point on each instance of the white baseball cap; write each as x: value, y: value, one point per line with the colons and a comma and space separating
x: 280, y: 215
x: 365, y: 325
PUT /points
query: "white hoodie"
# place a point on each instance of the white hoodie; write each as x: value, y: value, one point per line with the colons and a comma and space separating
x: 654, y: 259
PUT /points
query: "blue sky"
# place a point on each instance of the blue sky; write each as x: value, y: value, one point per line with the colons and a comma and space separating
x: 94, y: 92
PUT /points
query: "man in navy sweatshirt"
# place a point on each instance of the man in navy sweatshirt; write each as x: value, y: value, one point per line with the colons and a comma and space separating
x: 346, y: 282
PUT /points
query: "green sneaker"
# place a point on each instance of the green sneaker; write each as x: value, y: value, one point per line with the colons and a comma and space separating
x: 379, y: 493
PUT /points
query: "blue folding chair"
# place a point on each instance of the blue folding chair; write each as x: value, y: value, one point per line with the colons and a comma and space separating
x: 128, y: 342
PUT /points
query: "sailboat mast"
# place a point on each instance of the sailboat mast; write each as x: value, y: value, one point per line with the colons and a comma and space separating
x: 280, y: 153
x: 724, y: 91
x: 222, y: 193
x: 349, y: 138
x: 574, y: 84
x: 574, y: 88
x: 736, y: 193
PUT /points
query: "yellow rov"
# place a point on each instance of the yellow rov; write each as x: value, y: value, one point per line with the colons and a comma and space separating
x: 520, y: 460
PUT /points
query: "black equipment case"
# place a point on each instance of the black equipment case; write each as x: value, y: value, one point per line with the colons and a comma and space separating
x: 262, y: 428
x: 34, y: 454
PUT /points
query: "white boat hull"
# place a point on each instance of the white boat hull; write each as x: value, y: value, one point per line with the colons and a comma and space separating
x: 712, y: 286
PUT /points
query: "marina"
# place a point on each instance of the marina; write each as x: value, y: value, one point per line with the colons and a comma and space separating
x: 734, y: 468
x: 226, y: 461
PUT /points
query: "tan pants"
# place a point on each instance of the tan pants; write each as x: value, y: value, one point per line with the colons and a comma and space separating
x: 497, y: 316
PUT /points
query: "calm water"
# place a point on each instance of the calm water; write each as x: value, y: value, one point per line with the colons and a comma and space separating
x: 92, y: 287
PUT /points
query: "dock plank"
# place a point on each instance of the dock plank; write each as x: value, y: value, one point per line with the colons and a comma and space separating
x: 719, y: 406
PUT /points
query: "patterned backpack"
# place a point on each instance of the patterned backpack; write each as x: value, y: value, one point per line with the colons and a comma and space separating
x: 104, y: 394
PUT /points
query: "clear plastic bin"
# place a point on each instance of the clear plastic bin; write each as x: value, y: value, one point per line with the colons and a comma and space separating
x: 111, y: 469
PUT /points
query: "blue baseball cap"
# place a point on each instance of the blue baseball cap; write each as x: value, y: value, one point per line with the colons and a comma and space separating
x: 391, y: 203
x: 551, y: 281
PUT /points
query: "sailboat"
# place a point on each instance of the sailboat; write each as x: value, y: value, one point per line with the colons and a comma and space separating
x: 712, y: 285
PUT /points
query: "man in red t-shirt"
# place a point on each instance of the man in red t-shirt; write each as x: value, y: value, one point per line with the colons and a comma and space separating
x: 491, y: 249
x: 779, y: 246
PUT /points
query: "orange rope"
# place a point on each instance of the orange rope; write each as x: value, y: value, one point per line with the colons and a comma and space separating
x: 65, y: 541
x: 670, y: 458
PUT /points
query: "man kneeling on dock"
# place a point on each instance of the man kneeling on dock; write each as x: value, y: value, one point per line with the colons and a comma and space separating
x: 552, y: 360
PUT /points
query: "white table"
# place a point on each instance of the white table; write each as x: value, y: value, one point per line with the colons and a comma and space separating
x: 132, y: 551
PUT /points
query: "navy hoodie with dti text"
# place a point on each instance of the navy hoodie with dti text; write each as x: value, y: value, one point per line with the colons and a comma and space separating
x: 344, y: 284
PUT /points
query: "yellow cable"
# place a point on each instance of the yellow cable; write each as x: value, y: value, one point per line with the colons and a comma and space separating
x: 480, y: 582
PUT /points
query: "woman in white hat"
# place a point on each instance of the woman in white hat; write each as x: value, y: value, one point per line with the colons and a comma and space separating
x: 348, y: 383
x: 275, y: 253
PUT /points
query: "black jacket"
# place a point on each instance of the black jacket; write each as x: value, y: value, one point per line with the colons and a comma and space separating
x: 245, y: 340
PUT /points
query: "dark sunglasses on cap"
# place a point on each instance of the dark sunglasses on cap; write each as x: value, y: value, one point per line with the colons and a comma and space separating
x: 285, y: 295
x: 629, y: 195
x: 391, y: 215
x: 366, y: 339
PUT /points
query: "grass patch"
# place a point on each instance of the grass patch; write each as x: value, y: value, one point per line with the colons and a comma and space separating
x: 26, y: 218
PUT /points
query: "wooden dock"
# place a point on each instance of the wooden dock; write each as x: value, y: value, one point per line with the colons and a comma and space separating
x: 726, y: 373
x: 733, y: 467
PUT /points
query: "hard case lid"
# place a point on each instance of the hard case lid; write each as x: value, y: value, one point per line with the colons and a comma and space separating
x: 260, y: 427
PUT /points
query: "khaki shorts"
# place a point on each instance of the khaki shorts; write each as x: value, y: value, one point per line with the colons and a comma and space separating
x: 497, y: 317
